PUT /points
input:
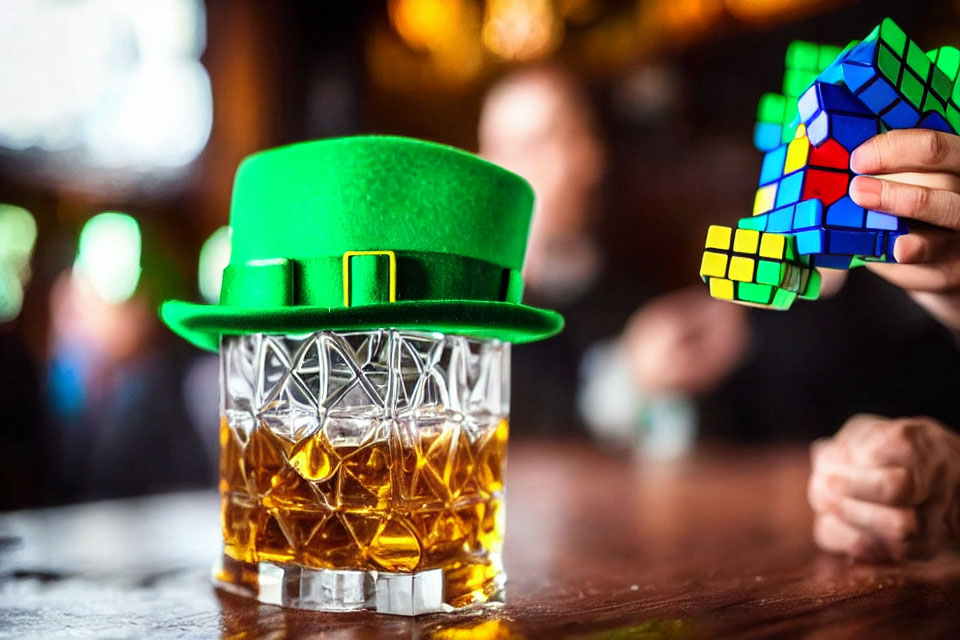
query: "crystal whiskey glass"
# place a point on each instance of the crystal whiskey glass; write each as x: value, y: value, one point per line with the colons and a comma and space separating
x: 363, y: 469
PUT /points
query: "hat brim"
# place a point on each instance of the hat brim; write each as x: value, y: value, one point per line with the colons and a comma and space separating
x: 202, y: 325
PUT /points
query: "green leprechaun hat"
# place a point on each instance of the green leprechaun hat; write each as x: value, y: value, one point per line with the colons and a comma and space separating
x: 372, y: 232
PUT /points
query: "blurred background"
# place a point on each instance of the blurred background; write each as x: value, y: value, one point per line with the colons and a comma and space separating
x: 121, y: 126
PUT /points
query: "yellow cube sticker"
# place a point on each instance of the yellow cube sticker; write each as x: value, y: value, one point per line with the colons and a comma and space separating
x: 721, y: 288
x: 741, y: 269
x: 773, y: 245
x: 713, y: 265
x: 746, y: 241
x: 718, y: 237
x: 766, y: 196
x: 797, y: 152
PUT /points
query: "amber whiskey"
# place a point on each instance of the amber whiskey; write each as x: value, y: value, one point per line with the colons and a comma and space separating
x: 410, y: 498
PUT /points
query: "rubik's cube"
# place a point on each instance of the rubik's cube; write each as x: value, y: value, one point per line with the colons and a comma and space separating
x: 777, y: 112
x: 833, y: 100
x: 757, y: 268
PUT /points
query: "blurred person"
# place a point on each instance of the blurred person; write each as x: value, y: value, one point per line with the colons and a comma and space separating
x: 882, y: 488
x: 115, y: 385
x: 685, y: 342
x: 538, y: 122
x: 639, y: 389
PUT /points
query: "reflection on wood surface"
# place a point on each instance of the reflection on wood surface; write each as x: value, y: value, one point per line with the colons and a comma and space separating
x: 597, y: 546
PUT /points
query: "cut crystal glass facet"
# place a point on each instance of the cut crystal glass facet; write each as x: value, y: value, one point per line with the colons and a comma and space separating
x: 363, y: 469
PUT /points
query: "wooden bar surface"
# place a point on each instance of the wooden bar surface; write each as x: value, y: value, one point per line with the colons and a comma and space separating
x: 599, y: 546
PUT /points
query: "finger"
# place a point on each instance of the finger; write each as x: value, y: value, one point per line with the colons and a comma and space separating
x: 886, y: 523
x: 826, y: 452
x: 884, y: 485
x: 936, y: 180
x: 858, y: 424
x: 834, y: 535
x: 880, y: 521
x: 927, y: 246
x: 938, y: 277
x: 936, y: 206
x: 831, y: 281
x: 907, y: 150
x: 945, y: 308
x: 820, y: 495
x: 892, y: 444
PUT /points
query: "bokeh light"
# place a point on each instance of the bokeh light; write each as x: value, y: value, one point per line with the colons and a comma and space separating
x: 521, y: 29
x: 425, y: 24
x: 109, y: 256
x: 18, y: 235
x: 214, y: 257
x: 120, y: 83
x: 768, y: 9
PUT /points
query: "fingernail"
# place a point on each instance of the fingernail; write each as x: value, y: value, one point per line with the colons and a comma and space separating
x: 862, y: 158
x: 905, y: 250
x: 865, y: 191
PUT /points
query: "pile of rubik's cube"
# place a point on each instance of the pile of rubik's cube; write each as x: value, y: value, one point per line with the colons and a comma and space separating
x: 833, y: 100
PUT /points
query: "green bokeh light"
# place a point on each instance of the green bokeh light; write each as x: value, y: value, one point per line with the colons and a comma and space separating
x: 109, y: 255
x: 214, y: 257
x: 18, y: 234
x: 11, y: 295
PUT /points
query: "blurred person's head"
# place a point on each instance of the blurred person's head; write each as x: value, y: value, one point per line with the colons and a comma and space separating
x: 538, y: 123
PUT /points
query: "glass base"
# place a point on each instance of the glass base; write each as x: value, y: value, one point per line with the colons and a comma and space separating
x: 405, y: 594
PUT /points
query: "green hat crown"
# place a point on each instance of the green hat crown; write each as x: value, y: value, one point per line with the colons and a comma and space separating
x: 369, y: 232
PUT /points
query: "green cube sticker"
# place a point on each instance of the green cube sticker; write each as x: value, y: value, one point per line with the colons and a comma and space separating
x: 802, y: 55
x: 796, y: 81
x: 940, y: 84
x: 791, y: 249
x: 810, y: 285
x: 948, y: 61
x: 769, y: 272
x: 756, y: 293
x: 912, y: 88
x: 790, y: 112
x: 827, y: 55
x: 783, y: 299
x: 771, y: 108
x: 888, y: 64
x: 953, y: 117
x: 791, y: 118
x: 893, y: 35
x: 757, y: 223
x: 917, y: 61
x: 933, y: 103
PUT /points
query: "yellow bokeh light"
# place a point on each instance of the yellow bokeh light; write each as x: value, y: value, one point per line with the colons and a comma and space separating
x: 521, y: 29
x: 425, y: 24
x: 761, y: 9
x: 579, y: 11
x: 447, y: 31
x: 689, y: 15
